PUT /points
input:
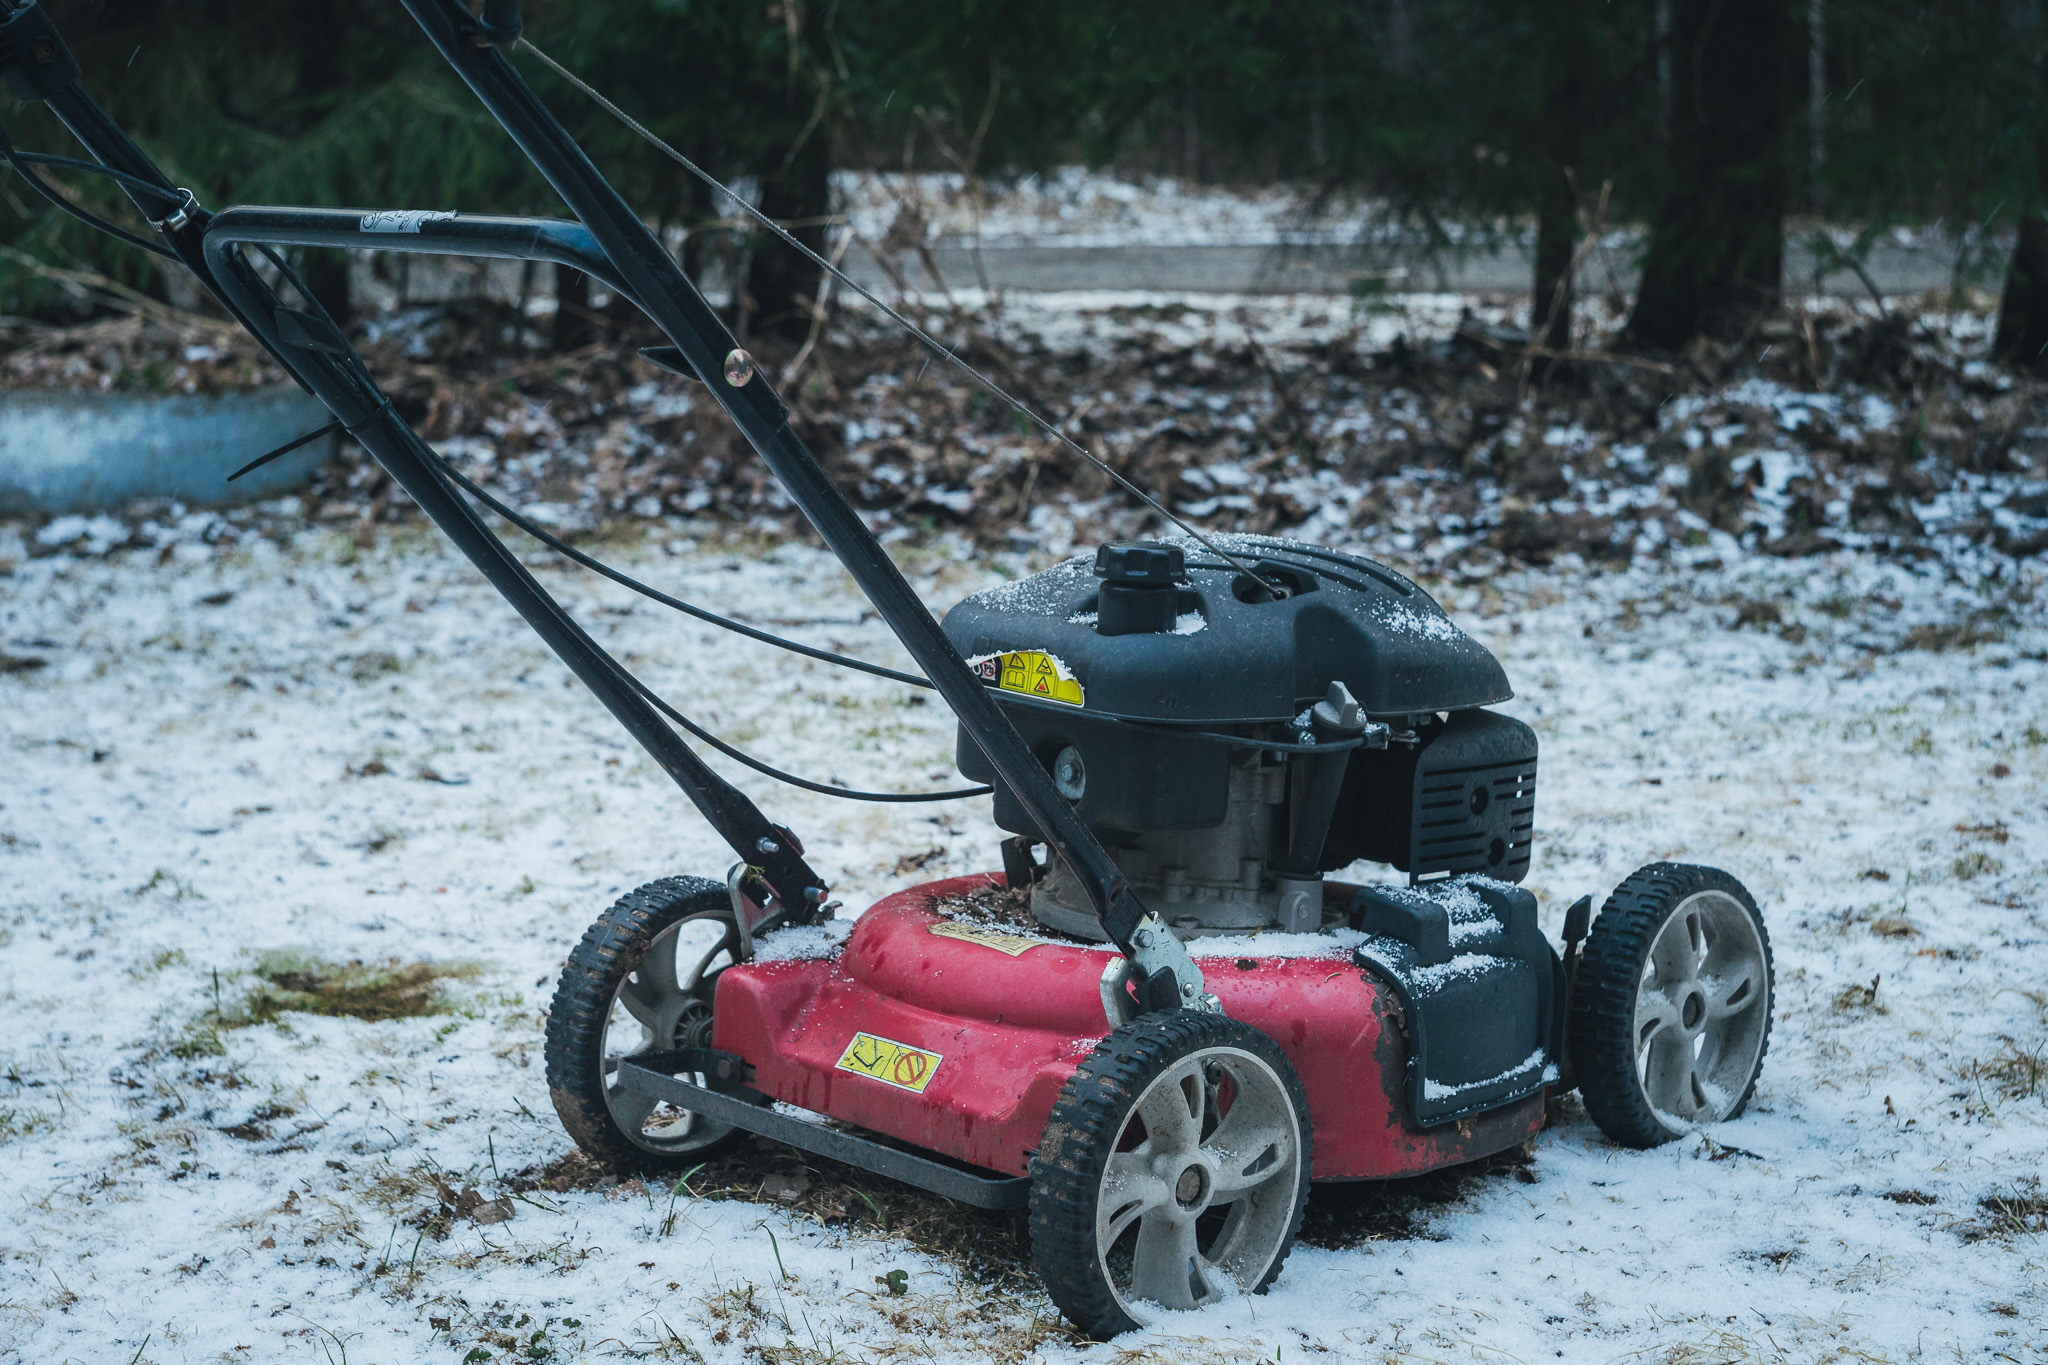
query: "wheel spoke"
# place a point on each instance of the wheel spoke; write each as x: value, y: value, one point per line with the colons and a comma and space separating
x: 1656, y: 1015
x: 1173, y: 1110
x: 657, y: 969
x: 727, y: 943
x: 1250, y: 1147
x: 1250, y: 1165
x: 630, y: 1108
x: 1675, y: 956
x: 1167, y: 1267
x: 1667, y: 1073
x: 1732, y: 992
x: 1129, y: 1190
x: 647, y: 1011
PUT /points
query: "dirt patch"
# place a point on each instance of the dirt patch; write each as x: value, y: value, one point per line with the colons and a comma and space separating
x: 2007, y: 1215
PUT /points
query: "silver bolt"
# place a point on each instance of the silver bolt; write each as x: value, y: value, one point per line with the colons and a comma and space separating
x: 739, y: 368
x: 766, y: 846
x: 1142, y: 939
x: 1187, y: 988
x: 1070, y: 774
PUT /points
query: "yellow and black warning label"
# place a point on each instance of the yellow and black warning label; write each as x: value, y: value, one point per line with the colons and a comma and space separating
x: 987, y: 938
x: 890, y: 1062
x: 1032, y: 672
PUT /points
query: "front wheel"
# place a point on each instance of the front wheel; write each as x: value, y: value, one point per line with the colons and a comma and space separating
x: 1173, y: 1172
x: 1671, y: 1013
x: 642, y: 980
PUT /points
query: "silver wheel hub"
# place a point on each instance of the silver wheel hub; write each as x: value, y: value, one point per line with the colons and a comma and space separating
x: 1198, y: 1198
x: 1702, y: 1011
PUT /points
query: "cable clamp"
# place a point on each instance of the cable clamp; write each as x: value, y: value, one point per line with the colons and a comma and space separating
x: 179, y: 216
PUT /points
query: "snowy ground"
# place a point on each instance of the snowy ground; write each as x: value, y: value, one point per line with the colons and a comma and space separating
x: 184, y: 791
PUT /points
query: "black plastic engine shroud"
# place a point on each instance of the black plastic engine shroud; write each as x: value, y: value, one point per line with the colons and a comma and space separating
x: 1461, y: 799
x: 1238, y: 659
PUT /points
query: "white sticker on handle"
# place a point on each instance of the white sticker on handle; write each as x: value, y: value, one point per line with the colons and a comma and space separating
x: 403, y: 220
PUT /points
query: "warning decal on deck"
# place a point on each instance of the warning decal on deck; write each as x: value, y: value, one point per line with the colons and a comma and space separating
x: 1031, y: 672
x: 892, y: 1063
x: 987, y: 938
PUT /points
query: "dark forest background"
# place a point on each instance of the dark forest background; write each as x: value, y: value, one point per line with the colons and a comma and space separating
x: 1719, y: 125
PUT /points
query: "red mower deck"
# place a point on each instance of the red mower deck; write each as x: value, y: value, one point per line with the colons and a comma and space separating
x: 957, y: 1037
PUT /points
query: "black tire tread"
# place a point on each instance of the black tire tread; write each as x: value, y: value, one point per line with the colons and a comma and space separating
x: 609, y: 950
x: 1602, y: 1024
x: 1066, y: 1170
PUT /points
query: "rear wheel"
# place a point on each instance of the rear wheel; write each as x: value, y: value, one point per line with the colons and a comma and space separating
x: 1173, y: 1172
x: 1671, y: 1013
x: 642, y: 980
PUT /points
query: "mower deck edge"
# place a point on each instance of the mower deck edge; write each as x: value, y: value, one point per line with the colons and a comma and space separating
x: 985, y: 1192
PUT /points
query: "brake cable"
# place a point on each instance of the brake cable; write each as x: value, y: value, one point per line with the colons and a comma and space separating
x: 938, y: 347
x: 562, y: 547
x: 20, y: 161
x: 628, y: 677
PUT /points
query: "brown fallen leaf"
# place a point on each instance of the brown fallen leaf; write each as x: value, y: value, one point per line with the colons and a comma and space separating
x: 498, y: 1210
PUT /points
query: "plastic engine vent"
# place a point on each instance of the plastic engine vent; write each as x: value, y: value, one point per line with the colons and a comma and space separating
x: 1475, y: 799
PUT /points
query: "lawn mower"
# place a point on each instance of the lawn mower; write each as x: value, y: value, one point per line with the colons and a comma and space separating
x: 1163, y: 1017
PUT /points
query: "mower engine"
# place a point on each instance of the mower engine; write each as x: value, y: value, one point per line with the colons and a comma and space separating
x: 1230, y: 738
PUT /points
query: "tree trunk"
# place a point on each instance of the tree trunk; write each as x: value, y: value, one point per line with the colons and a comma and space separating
x: 322, y: 33
x: 326, y: 274
x: 2022, y: 340
x: 1561, y: 62
x: 1717, y: 240
x: 572, y: 327
x: 780, y: 282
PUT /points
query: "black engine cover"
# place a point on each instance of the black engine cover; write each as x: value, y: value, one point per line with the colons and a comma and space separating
x: 1234, y: 660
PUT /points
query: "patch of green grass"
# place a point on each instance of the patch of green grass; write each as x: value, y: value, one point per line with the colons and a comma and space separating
x: 169, y: 957
x: 290, y: 982
x: 2019, y: 1072
x: 199, y: 1040
x: 374, y: 664
x: 1950, y: 635
x: 170, y: 883
x: 20, y: 1123
x: 1976, y: 863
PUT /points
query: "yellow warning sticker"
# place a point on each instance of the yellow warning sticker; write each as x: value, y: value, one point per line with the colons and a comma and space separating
x: 987, y: 938
x: 891, y: 1063
x: 1032, y: 672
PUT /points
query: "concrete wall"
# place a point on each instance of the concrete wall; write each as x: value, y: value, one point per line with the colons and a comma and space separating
x: 89, y: 452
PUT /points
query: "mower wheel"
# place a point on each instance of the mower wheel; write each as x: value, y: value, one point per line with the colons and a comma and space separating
x: 1671, y: 1011
x: 1173, y: 1172
x: 640, y: 981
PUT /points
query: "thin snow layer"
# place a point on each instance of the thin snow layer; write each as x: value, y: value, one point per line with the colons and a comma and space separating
x: 803, y: 942
x: 177, y: 800
x: 1433, y: 1090
x: 1338, y: 943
